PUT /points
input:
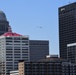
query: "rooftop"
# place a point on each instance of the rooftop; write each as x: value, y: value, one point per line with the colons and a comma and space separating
x: 11, y: 34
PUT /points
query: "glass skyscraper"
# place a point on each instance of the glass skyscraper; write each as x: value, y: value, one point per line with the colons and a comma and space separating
x: 67, y: 27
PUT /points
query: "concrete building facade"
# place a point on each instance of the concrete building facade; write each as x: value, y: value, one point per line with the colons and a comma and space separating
x: 16, y: 72
x: 13, y: 47
x: 71, y: 52
x: 38, y: 49
x: 48, y: 66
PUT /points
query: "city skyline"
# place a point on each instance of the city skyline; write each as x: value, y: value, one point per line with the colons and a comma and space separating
x: 38, y: 19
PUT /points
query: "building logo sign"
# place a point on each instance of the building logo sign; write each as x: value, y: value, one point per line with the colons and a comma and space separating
x: 62, y: 9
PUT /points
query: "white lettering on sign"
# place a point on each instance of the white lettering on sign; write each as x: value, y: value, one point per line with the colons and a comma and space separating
x: 62, y: 9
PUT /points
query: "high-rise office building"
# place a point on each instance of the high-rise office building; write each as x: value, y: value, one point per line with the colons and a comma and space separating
x: 38, y: 49
x: 4, y: 24
x: 13, y: 47
x: 49, y: 66
x: 71, y: 52
x: 67, y: 27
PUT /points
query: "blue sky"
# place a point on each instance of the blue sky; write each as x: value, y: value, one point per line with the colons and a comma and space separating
x: 36, y: 18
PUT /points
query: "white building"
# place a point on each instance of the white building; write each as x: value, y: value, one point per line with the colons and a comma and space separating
x: 71, y: 52
x: 13, y: 47
x: 14, y: 72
